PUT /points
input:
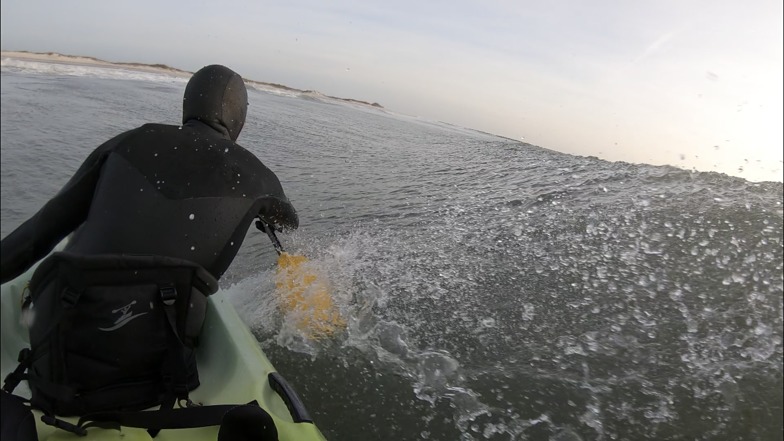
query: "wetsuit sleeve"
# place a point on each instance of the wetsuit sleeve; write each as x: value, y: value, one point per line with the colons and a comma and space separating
x: 278, y: 212
x: 272, y: 205
x: 61, y: 215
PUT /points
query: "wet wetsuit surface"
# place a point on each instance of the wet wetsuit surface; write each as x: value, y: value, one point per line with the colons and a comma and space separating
x: 187, y: 192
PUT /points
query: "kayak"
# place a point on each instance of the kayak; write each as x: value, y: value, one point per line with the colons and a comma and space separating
x: 232, y: 368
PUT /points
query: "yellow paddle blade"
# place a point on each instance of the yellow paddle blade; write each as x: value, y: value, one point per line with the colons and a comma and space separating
x: 304, y: 293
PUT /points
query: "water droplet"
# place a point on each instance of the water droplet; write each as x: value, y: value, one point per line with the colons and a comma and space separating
x: 761, y: 329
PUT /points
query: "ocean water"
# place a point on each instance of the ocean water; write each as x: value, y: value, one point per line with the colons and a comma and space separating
x: 494, y: 290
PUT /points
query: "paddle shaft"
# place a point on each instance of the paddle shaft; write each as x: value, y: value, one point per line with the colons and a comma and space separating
x: 267, y: 228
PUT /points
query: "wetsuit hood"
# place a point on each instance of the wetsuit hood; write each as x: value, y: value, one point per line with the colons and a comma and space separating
x: 216, y: 96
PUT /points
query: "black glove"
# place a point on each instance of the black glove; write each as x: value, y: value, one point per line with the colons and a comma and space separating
x: 260, y: 226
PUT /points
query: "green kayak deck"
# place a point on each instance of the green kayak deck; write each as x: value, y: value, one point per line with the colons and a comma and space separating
x: 232, y: 369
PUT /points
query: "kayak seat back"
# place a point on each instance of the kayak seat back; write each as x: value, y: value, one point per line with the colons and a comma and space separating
x: 112, y: 332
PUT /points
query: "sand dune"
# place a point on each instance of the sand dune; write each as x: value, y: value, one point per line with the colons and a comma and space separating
x: 54, y: 57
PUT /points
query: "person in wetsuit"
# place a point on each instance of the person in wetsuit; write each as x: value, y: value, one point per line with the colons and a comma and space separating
x: 189, y: 191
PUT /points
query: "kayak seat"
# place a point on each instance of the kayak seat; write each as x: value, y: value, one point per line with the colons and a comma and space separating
x: 247, y: 423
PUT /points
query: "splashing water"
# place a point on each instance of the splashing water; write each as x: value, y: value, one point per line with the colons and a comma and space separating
x: 492, y: 290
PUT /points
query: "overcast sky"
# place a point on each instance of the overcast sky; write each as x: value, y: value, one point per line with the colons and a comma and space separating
x: 695, y: 84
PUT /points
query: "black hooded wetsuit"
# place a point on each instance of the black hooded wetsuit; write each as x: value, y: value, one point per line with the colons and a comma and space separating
x: 188, y: 192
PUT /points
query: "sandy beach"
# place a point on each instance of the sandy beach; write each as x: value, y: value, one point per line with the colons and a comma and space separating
x: 53, y: 57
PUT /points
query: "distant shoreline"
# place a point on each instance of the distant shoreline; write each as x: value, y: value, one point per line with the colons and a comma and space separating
x: 54, y: 57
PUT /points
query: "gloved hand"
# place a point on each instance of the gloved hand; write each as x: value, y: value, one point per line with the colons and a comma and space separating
x: 260, y: 225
